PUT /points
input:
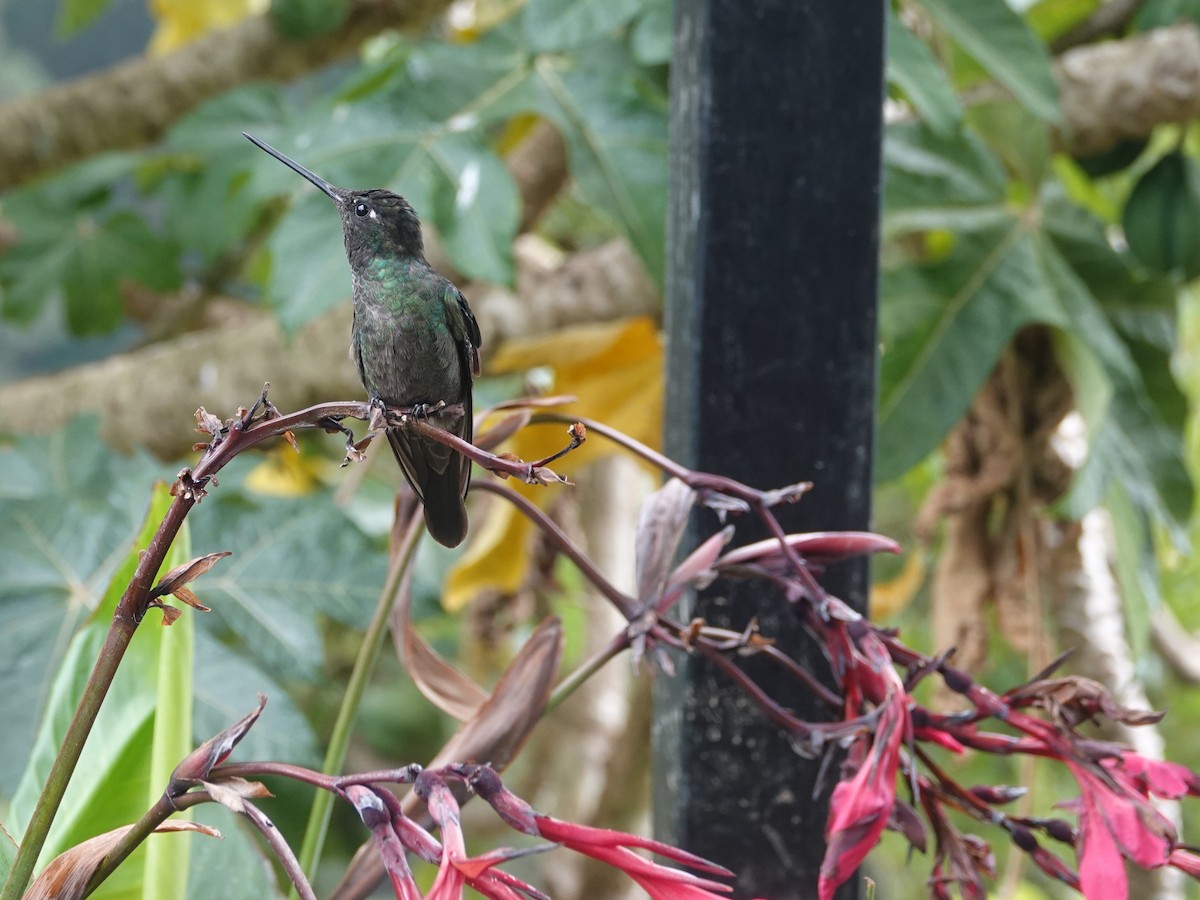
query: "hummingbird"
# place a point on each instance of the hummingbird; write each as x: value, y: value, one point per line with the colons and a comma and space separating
x: 414, y: 340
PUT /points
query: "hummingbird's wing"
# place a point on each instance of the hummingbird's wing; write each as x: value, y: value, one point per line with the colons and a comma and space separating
x: 439, y: 475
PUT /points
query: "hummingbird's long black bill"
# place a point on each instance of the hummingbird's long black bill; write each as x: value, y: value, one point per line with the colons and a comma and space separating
x: 316, y: 179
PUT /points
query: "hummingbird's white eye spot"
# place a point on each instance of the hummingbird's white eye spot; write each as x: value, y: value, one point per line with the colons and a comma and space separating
x: 361, y: 209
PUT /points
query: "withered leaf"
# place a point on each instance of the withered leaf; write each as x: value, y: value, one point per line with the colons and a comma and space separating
x: 169, y: 613
x: 544, y: 476
x: 68, y: 874
x: 661, y: 520
x: 1083, y: 698
x: 207, y: 423
x: 185, y: 573
x: 185, y: 594
x: 442, y: 684
x: 233, y: 792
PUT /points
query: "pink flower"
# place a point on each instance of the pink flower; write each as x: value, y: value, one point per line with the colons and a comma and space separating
x: 455, y: 868
x: 1115, y: 823
x: 611, y: 847
x: 1152, y: 776
x: 861, y: 806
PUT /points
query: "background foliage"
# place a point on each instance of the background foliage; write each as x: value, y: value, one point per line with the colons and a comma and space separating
x: 990, y: 225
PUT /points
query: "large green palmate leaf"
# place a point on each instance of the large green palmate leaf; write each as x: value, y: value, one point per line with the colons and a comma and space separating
x: 200, y: 174
x: 295, y: 562
x: 141, y: 733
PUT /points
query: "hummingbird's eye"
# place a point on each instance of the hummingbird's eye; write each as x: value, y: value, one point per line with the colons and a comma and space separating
x: 361, y: 209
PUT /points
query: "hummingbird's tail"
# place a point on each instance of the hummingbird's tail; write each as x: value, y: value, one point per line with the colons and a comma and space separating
x: 439, y: 476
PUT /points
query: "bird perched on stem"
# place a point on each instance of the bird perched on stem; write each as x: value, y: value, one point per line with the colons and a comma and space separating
x: 414, y: 341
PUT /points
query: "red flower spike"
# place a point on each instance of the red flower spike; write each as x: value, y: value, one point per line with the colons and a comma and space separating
x: 443, y: 809
x: 494, y: 883
x: 862, y: 806
x: 818, y: 548
x: 611, y: 847
x: 374, y: 814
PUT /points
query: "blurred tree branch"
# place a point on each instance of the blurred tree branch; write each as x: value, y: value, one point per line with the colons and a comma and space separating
x: 135, y: 393
x: 1120, y: 90
x: 134, y: 103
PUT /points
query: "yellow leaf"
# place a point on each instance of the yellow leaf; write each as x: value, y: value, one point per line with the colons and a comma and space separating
x: 515, y: 131
x: 181, y: 21
x: 893, y: 596
x: 496, y: 558
x: 284, y: 473
x: 615, y: 371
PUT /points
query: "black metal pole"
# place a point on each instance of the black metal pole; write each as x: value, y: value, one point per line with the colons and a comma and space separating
x: 773, y: 233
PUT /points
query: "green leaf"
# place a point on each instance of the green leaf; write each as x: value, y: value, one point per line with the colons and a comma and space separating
x: 943, y: 325
x: 295, y: 560
x: 1162, y: 216
x: 142, y: 730
x: 68, y: 516
x: 1164, y: 13
x: 940, y: 183
x: 309, y: 272
x: 912, y: 67
x: 86, y: 253
x: 75, y: 15
x: 1133, y: 439
x: 475, y: 207
x: 100, y: 256
x: 1016, y: 137
x: 206, y: 161
x: 1135, y: 566
x: 615, y: 128
x: 1050, y: 18
x: 228, y: 684
x: 1002, y: 43
x: 552, y: 25
x: 653, y: 35
x: 8, y: 852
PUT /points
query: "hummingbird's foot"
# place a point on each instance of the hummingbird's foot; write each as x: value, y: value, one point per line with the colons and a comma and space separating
x: 425, y: 410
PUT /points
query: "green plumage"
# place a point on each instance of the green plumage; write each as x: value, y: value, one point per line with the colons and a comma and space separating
x: 414, y: 341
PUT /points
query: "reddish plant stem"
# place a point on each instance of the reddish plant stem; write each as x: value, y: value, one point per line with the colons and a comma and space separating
x: 708, y: 483
x: 282, y: 770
